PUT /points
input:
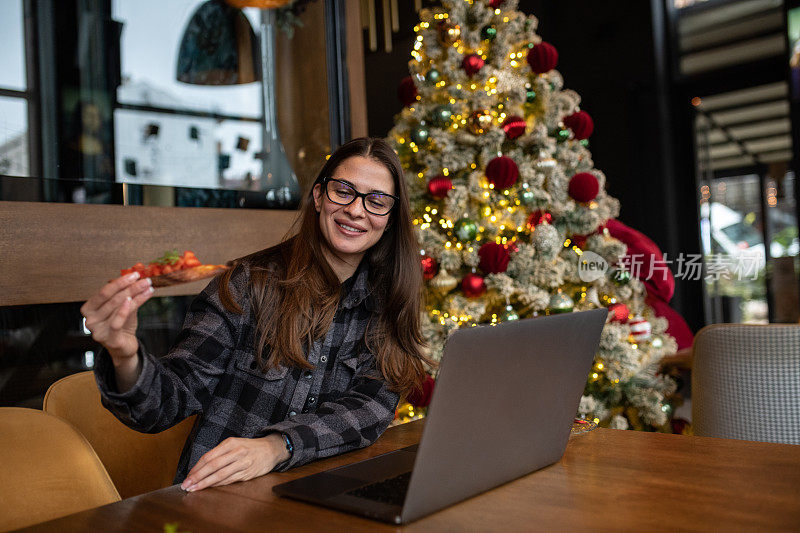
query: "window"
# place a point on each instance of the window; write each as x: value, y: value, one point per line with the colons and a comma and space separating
x: 14, y: 136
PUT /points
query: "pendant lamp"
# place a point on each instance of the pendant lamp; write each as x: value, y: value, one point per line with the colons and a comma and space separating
x: 219, y: 47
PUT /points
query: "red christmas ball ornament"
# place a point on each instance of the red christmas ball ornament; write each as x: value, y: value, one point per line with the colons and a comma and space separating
x: 581, y: 124
x: 494, y: 4
x: 407, y: 91
x: 494, y: 258
x: 543, y: 57
x: 583, y: 187
x: 502, y: 172
x: 472, y: 64
x: 618, y: 312
x: 539, y: 216
x: 429, y: 267
x: 439, y: 186
x: 514, y: 127
x: 473, y: 285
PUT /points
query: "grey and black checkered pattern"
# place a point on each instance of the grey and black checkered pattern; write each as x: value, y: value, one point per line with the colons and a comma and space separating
x: 746, y: 382
x: 211, y: 371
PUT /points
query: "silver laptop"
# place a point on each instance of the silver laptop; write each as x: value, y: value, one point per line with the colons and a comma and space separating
x: 503, y: 405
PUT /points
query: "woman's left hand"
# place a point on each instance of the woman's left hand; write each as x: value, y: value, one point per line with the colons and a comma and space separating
x: 236, y: 459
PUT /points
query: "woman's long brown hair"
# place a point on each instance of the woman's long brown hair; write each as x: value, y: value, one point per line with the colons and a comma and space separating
x: 294, y: 292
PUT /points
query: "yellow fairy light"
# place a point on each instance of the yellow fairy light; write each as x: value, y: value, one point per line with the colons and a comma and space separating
x: 599, y: 366
x: 434, y: 211
x: 419, y: 37
x: 496, y: 11
x: 505, y: 19
x: 458, y: 245
x: 597, y: 420
x: 502, y: 227
x: 420, y: 174
x: 447, y: 244
x: 492, y: 80
x: 458, y: 86
x: 519, y: 229
x: 473, y: 165
x: 427, y: 208
x: 514, y: 63
x: 595, y: 375
x: 567, y: 243
x: 445, y: 171
x: 486, y: 194
x: 493, y: 218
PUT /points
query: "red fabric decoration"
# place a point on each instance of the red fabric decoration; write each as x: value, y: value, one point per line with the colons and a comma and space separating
x: 429, y: 267
x: 583, y: 187
x: 407, y: 91
x: 473, y: 285
x: 618, y: 312
x: 494, y: 258
x: 646, y: 263
x: 581, y: 124
x: 421, y: 397
x: 543, y: 57
x: 514, y: 127
x: 439, y: 186
x: 494, y: 4
x: 472, y: 64
x: 502, y: 172
x: 644, y: 260
x: 539, y: 216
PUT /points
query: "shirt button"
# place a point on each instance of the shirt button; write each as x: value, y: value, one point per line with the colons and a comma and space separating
x: 324, y: 358
x: 292, y: 413
x: 312, y: 400
x: 308, y: 374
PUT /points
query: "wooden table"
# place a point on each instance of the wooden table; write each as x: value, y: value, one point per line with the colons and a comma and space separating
x: 607, y: 480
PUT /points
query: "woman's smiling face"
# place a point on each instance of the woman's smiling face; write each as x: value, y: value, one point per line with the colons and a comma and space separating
x: 350, y: 230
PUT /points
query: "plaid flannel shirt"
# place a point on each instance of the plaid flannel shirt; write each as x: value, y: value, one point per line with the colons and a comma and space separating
x: 211, y: 371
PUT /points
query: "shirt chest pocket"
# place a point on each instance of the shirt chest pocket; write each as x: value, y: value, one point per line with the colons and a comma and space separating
x: 269, y: 382
x: 343, y: 372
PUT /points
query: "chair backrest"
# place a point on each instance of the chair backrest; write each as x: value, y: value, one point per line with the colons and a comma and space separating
x: 48, y: 470
x: 746, y: 382
x: 137, y: 462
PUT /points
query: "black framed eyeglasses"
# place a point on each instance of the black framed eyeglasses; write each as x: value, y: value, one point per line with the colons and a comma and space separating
x: 342, y: 193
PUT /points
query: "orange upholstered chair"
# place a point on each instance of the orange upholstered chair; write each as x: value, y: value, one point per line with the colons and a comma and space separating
x: 48, y: 470
x: 137, y: 462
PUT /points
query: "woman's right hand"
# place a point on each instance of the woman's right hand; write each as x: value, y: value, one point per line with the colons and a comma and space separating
x: 111, y: 316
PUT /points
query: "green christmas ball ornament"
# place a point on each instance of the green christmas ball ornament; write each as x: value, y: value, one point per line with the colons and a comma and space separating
x: 562, y: 135
x: 585, y: 142
x: 420, y: 134
x: 442, y: 115
x: 527, y: 197
x: 488, y: 33
x: 466, y: 229
x: 668, y: 409
x: 657, y: 342
x: 620, y: 277
x: 433, y: 76
x: 530, y: 96
x: 560, y: 303
x: 509, y: 314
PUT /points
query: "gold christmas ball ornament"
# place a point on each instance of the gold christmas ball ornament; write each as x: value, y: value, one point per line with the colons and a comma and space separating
x: 449, y: 33
x: 443, y: 282
x: 479, y: 121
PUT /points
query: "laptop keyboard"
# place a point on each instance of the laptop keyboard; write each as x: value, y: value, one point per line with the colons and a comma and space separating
x: 391, y: 491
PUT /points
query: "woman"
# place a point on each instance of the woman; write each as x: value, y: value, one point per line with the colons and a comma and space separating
x: 299, y: 351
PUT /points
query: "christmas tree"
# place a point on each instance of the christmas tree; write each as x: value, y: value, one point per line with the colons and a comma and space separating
x: 509, y: 206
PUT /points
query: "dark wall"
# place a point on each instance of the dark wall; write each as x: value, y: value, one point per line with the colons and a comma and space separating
x: 608, y: 54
